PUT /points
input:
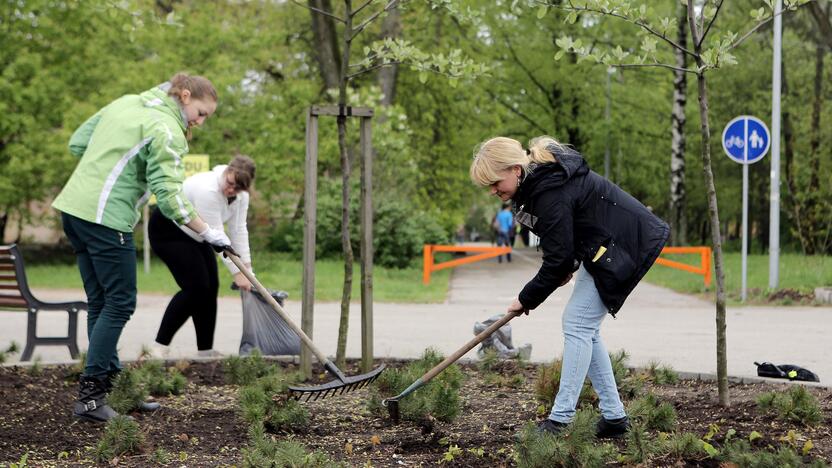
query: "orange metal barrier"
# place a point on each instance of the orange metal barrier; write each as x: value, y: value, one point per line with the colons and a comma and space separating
x: 704, y: 268
x: 429, y: 266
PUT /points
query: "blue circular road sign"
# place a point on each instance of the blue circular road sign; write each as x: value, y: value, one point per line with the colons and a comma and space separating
x: 746, y: 139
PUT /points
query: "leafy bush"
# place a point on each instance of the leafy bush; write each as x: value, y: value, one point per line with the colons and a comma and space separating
x: 265, y: 452
x: 399, y: 230
x: 267, y: 401
x: 652, y: 413
x: 121, y: 435
x: 576, y: 446
x: 796, y: 405
x: 438, y: 398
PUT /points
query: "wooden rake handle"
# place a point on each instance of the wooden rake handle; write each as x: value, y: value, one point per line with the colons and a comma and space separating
x: 467, y: 347
x: 270, y: 300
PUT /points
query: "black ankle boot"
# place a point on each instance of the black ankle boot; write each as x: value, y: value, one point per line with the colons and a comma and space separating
x: 146, y: 406
x: 91, y: 404
x: 612, y: 428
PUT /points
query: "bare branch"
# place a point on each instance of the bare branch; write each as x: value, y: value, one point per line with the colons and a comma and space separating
x: 708, y: 28
x: 656, y: 65
x: 527, y: 71
x: 365, y: 5
x: 319, y: 11
x: 529, y: 120
x: 638, y: 23
x: 366, y: 22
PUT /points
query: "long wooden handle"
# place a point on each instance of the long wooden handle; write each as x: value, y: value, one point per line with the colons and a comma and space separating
x: 474, y: 341
x: 268, y: 298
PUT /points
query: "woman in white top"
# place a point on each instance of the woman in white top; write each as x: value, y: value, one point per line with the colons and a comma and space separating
x: 220, y: 197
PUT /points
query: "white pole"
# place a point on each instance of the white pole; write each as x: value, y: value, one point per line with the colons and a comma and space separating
x: 774, y: 216
x: 744, y: 213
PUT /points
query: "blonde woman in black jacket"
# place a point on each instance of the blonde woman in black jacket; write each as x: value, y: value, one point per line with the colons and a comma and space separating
x: 584, y: 221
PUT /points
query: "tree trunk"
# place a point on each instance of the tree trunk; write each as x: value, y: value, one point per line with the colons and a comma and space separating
x: 391, y: 28
x: 713, y: 212
x: 326, y: 50
x: 678, y: 218
x: 822, y: 19
x: 346, y: 244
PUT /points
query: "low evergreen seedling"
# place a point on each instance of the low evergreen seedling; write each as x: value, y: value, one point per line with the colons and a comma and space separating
x: 264, y: 451
x: 575, y: 447
x: 439, y: 398
x: 684, y: 445
x: 121, y: 436
x: 12, y: 349
x: 548, y: 383
x: 128, y: 392
x: 160, y: 381
x: 652, y: 413
x: 267, y: 401
x: 797, y: 405
x: 244, y: 370
x: 161, y: 456
x: 640, y: 448
x: 661, y: 375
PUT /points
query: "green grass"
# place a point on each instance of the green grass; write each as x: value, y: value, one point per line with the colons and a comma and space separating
x: 797, y: 272
x: 275, y: 271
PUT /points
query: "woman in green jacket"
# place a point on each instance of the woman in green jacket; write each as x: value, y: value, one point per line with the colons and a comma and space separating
x: 129, y: 149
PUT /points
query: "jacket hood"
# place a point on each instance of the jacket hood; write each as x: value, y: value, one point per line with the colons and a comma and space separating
x: 158, y: 98
x: 542, y: 177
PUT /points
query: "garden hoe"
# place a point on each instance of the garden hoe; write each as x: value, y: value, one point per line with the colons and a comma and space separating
x: 392, y: 404
x: 342, y: 384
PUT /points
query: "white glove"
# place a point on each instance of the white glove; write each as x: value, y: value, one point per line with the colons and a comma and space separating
x: 215, y: 237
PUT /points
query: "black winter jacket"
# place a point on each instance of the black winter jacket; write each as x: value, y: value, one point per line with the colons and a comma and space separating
x: 575, y: 212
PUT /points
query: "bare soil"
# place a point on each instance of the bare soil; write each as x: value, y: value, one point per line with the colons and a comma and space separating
x: 202, y: 427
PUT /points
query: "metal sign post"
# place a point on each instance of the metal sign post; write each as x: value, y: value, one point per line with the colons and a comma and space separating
x: 746, y: 140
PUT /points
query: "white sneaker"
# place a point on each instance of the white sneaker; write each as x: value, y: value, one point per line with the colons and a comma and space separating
x: 156, y: 351
x: 209, y: 353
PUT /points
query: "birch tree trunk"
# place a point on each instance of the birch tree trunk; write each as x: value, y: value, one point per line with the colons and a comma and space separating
x: 678, y: 194
x: 713, y: 214
x: 326, y: 50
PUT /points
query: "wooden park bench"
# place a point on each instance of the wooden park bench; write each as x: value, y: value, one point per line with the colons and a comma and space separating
x: 16, y: 296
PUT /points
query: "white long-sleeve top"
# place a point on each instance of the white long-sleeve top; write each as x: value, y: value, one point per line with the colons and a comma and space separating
x: 204, y: 191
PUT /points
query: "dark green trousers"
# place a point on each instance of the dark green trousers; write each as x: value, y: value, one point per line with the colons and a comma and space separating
x: 107, y: 261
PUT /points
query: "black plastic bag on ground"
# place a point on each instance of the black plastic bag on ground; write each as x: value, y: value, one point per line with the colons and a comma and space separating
x: 785, y: 371
x: 264, y: 329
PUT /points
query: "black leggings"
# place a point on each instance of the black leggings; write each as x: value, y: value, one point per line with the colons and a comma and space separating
x: 194, y: 267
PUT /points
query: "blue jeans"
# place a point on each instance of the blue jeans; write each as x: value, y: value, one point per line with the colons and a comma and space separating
x: 584, y: 354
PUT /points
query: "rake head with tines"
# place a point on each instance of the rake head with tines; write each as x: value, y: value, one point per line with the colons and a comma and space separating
x: 342, y: 384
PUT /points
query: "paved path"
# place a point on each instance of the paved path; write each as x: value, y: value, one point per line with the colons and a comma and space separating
x: 655, y: 324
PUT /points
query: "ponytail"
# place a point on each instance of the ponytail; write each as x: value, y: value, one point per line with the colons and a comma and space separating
x: 493, y: 157
x: 199, y: 86
x: 540, y: 149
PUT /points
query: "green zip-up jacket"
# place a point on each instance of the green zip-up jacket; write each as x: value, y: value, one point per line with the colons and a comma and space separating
x: 134, y: 143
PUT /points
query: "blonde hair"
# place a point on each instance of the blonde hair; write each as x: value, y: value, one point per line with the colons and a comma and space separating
x: 494, y: 156
x: 199, y: 86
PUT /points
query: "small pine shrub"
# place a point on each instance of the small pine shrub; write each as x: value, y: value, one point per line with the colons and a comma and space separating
x: 265, y: 452
x: 160, y: 381
x: 575, y: 447
x: 640, y: 448
x: 661, y: 375
x: 267, y: 401
x: 438, y: 398
x: 629, y: 384
x: 12, y: 349
x: 489, y: 361
x: 684, y: 445
x: 160, y: 456
x: 36, y: 368
x: 797, y: 405
x: 548, y: 383
x: 121, y: 436
x: 75, y: 371
x: 128, y: 393
x: 245, y: 370
x: 654, y: 414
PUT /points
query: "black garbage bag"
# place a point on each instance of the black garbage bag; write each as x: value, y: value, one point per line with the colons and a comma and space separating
x: 785, y: 371
x: 264, y: 329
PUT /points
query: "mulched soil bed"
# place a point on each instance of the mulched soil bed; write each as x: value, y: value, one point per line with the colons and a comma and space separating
x: 202, y: 427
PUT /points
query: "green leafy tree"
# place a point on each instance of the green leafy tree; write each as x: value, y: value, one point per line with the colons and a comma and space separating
x: 706, y: 57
